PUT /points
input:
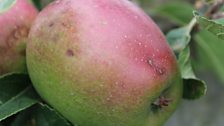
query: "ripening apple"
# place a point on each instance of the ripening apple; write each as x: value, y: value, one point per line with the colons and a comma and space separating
x: 16, y: 17
x: 103, y: 63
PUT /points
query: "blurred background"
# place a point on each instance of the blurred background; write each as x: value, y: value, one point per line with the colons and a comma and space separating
x: 207, y: 55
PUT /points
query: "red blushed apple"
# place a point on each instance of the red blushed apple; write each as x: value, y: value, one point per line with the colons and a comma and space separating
x: 16, y: 17
x: 103, y: 63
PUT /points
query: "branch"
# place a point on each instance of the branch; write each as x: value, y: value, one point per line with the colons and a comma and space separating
x: 214, y: 8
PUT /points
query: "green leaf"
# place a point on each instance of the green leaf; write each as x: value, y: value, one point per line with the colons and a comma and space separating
x: 178, y: 12
x: 193, y: 87
x: 220, y: 21
x: 11, y: 84
x: 222, y: 8
x: 24, y: 118
x: 179, y: 40
x: 40, y: 4
x: 210, y: 52
x: 40, y: 115
x: 23, y: 100
x: 15, y: 94
x: 45, y: 2
x: 6, y: 5
x: 37, y: 3
x: 210, y: 25
x: 46, y: 116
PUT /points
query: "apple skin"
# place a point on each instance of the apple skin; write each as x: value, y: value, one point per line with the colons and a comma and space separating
x: 15, y: 22
x: 103, y: 63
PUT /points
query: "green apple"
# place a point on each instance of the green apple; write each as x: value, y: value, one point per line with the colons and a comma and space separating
x: 16, y: 17
x: 103, y: 63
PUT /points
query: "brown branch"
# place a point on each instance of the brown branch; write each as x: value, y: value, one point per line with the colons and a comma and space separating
x: 214, y: 8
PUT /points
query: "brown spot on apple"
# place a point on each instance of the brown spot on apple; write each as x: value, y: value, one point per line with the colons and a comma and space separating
x: 160, y: 70
x: 70, y: 53
x: 51, y: 24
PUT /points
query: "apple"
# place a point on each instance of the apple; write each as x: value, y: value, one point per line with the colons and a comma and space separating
x: 16, y: 17
x: 103, y: 63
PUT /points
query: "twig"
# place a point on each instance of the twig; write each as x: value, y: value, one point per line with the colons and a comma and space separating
x: 214, y: 8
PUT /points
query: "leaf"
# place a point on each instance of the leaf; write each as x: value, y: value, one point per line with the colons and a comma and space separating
x: 210, y: 25
x: 193, y: 87
x: 40, y: 4
x: 46, y: 116
x: 210, y: 52
x: 6, y: 5
x: 11, y: 84
x: 220, y: 21
x: 178, y: 12
x: 23, y: 119
x: 37, y: 3
x: 13, y: 97
x: 23, y: 100
x: 146, y: 3
x: 222, y: 9
x: 40, y: 115
x: 45, y: 2
x: 179, y: 40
